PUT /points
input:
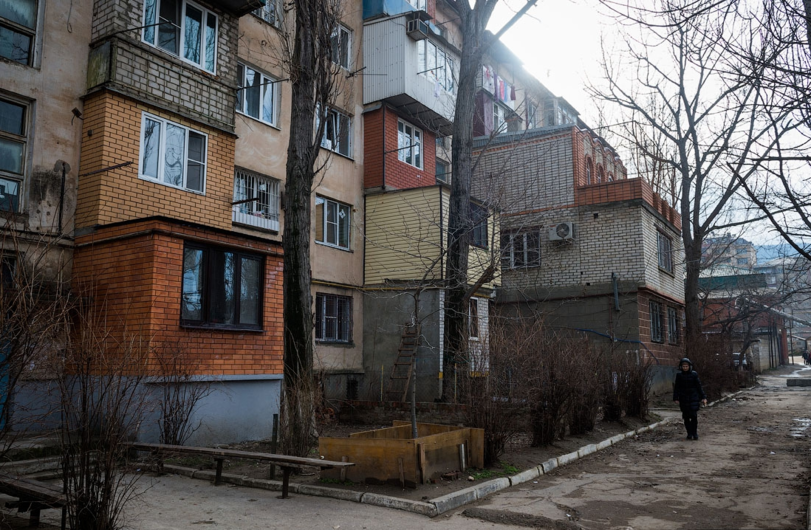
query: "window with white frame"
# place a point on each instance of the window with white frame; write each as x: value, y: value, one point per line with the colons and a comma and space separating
x: 443, y: 171
x: 521, y: 248
x: 341, y: 43
x: 333, y: 318
x: 473, y: 319
x: 434, y: 63
x: 499, y: 117
x: 337, y: 133
x: 672, y: 325
x: 257, y: 200
x: 172, y: 154
x: 665, y: 251
x: 272, y: 12
x: 532, y: 111
x: 409, y: 144
x: 18, y: 24
x: 256, y: 94
x: 333, y: 223
x: 184, y: 29
x: 13, y: 152
x: 656, y: 322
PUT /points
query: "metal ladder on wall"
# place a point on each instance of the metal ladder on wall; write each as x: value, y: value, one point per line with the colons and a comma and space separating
x: 402, y: 371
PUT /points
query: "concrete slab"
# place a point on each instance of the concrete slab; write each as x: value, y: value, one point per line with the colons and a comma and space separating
x: 491, y: 486
x: 454, y: 500
x: 565, y: 459
x: 525, y: 476
x: 335, y: 493
x: 549, y: 465
x: 798, y: 382
x: 586, y: 450
x: 422, y: 508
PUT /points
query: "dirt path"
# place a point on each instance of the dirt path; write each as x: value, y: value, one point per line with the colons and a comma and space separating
x: 751, y: 468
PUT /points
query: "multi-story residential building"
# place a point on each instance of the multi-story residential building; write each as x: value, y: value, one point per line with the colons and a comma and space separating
x: 41, y: 86
x: 726, y: 255
x: 582, y: 244
x: 411, y: 55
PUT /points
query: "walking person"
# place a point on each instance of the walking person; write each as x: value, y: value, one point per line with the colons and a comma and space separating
x: 688, y: 394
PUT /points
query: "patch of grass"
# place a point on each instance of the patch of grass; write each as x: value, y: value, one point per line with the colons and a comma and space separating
x: 506, y: 470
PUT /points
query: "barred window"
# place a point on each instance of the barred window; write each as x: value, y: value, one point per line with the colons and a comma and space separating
x: 672, y: 325
x: 656, y: 322
x: 257, y: 200
x: 333, y: 318
x: 271, y: 13
x: 665, y: 251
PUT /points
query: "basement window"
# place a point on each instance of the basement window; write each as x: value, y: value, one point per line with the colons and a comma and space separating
x: 333, y: 318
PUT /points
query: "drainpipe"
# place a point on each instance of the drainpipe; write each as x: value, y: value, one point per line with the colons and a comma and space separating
x: 614, y: 283
x: 61, y: 198
x: 384, y: 148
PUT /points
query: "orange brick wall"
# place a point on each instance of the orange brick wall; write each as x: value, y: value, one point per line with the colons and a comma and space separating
x: 398, y: 174
x: 119, y: 195
x: 136, y: 269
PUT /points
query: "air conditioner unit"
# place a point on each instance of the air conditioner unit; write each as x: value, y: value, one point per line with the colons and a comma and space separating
x: 561, y: 232
x: 417, y: 29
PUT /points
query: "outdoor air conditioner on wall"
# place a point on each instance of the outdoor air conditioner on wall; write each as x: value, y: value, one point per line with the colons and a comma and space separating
x: 417, y: 29
x: 561, y: 232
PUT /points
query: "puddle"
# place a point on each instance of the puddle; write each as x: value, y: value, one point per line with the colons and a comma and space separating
x: 798, y: 430
x: 796, y: 373
x: 761, y: 429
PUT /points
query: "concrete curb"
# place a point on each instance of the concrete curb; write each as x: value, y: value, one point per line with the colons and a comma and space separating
x: 444, y: 503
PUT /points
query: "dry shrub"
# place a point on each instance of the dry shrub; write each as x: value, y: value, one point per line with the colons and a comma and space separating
x: 626, y: 382
x: 712, y: 359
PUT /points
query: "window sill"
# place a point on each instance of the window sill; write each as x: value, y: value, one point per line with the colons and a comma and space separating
x: 669, y: 273
x: 274, y: 26
x: 153, y: 181
x: 214, y: 327
x: 348, y: 157
x: 335, y: 343
x: 263, y: 122
x: 479, y: 246
x: 336, y: 247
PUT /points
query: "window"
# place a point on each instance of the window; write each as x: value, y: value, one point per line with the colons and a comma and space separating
x: 8, y: 267
x: 600, y: 174
x: 672, y: 326
x: 521, y: 248
x: 263, y: 210
x: 532, y: 111
x: 332, y: 223
x: 436, y: 65
x: 341, y: 42
x: 409, y: 144
x: 256, y: 96
x: 18, y: 22
x: 221, y: 288
x: 665, y: 246
x: 417, y: 4
x: 337, y: 133
x: 13, y: 149
x: 333, y: 318
x: 184, y: 29
x: 478, y: 217
x: 172, y: 154
x: 271, y: 12
x: 443, y: 171
x: 743, y: 261
x: 473, y: 319
x: 656, y: 322
x: 498, y: 116
x: 589, y: 170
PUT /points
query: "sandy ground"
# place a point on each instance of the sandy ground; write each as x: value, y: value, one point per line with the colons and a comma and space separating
x: 751, y: 468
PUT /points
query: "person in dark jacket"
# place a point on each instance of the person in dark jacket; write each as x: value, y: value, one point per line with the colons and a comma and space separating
x: 688, y: 394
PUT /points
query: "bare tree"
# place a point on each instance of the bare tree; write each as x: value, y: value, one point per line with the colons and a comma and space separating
x: 316, y: 80
x: 706, y: 106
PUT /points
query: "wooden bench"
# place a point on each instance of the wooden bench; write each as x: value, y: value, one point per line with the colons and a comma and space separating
x: 286, y: 462
x: 34, y: 496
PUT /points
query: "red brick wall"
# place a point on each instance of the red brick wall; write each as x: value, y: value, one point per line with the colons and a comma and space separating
x: 666, y: 353
x: 398, y: 174
x: 136, y: 270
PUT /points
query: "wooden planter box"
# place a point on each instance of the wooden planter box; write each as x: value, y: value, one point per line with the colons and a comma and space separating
x: 392, y: 456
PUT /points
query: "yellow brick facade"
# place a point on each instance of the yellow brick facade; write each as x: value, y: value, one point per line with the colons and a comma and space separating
x: 111, y: 136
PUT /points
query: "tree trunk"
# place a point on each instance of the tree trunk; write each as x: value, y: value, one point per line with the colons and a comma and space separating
x: 298, y: 320
x: 692, y: 301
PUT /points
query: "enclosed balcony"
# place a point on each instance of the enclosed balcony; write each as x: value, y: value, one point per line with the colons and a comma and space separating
x: 411, y: 68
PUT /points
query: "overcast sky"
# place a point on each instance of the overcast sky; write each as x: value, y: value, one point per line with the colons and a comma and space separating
x: 559, y: 42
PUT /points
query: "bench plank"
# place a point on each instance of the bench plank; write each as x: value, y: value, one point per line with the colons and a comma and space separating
x: 31, y: 490
x: 286, y: 462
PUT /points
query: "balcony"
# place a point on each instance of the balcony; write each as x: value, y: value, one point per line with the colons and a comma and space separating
x: 408, y: 74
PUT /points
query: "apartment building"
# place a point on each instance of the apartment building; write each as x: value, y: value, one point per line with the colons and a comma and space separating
x: 411, y: 54
x: 582, y: 245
